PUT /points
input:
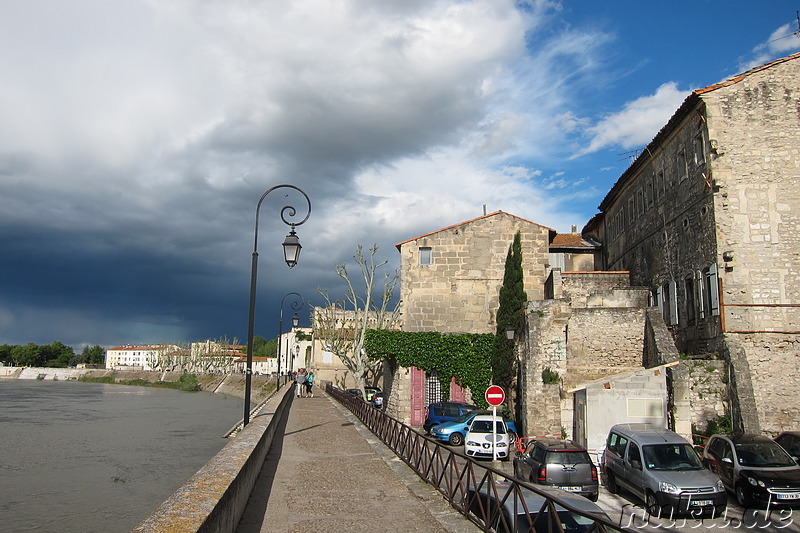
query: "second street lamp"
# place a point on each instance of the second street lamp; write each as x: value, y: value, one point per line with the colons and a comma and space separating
x: 296, y: 305
x: 291, y: 251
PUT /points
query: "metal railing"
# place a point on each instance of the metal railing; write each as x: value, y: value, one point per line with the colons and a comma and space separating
x: 478, y: 491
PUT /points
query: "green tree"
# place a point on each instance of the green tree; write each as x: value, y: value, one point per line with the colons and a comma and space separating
x: 95, y: 355
x: 509, y: 315
x: 28, y: 355
x: 265, y: 348
x: 5, y: 354
x: 58, y: 355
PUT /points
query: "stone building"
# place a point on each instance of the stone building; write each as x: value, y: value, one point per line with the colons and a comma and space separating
x: 706, y: 218
x: 451, y: 278
x: 450, y: 283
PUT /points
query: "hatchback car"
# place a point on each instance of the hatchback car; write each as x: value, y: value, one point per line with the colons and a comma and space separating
x: 440, y: 412
x: 560, y: 463
x: 453, y: 432
x: 505, y: 510
x: 790, y: 441
x: 755, y: 468
x: 482, y: 442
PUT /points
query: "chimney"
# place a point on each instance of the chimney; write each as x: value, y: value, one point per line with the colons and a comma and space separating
x: 574, y: 229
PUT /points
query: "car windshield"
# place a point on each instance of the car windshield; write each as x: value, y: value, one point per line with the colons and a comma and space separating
x: 466, y: 417
x: 485, y: 426
x: 765, y: 453
x: 671, y: 457
x: 568, y: 457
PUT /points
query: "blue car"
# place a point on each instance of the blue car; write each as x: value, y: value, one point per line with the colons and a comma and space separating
x: 453, y: 432
x: 441, y: 412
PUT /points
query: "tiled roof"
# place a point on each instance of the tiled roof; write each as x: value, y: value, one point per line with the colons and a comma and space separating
x: 571, y: 240
x: 399, y: 244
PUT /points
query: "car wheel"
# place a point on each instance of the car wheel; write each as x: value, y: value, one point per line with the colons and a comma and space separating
x: 652, y: 504
x: 743, y: 497
x: 456, y: 439
x: 611, y: 484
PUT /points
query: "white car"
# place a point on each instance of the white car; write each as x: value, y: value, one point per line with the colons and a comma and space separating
x: 478, y: 440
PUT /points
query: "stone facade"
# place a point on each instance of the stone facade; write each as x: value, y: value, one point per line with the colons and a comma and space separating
x: 599, y: 332
x: 451, y: 278
x: 707, y: 219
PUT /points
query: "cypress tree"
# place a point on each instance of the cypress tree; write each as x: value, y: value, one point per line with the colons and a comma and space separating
x: 509, y: 313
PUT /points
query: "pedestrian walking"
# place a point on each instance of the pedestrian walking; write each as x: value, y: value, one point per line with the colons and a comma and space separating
x: 300, y: 381
x: 309, y: 384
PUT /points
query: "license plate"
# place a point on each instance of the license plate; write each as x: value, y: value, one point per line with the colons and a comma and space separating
x: 791, y: 496
x: 571, y: 489
x: 702, y: 503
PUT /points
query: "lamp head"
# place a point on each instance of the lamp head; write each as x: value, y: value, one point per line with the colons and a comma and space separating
x: 510, y: 332
x: 295, y: 320
x: 291, y: 248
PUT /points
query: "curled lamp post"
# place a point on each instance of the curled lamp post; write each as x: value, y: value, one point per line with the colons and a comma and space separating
x: 296, y: 305
x: 291, y: 251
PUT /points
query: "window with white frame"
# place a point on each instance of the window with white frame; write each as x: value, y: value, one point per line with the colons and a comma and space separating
x: 699, y: 149
x: 711, y: 291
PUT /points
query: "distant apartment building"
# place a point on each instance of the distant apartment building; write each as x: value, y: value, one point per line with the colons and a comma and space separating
x: 708, y: 219
x: 136, y: 357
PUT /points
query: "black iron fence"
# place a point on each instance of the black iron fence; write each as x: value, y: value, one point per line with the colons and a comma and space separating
x: 490, y: 498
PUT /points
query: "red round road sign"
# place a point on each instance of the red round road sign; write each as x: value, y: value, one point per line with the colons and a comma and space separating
x: 495, y: 395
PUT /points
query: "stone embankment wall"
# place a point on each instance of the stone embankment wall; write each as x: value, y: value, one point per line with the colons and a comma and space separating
x: 228, y: 384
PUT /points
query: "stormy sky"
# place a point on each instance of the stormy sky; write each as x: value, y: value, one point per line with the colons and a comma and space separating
x: 136, y: 137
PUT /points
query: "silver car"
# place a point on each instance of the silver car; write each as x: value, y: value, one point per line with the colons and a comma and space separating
x: 661, y: 468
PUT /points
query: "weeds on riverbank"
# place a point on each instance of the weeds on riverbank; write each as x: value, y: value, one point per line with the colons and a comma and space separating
x: 187, y: 382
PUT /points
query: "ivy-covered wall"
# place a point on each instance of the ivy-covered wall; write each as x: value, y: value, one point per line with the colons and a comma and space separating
x: 465, y: 357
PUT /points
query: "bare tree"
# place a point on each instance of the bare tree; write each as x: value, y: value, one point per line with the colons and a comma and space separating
x: 342, y: 324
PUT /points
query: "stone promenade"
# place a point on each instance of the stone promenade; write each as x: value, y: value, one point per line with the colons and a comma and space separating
x: 327, y: 473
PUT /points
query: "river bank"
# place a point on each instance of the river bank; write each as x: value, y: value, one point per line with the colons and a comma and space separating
x: 228, y: 384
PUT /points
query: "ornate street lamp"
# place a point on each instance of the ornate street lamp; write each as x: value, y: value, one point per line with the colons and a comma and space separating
x: 291, y: 251
x: 296, y: 305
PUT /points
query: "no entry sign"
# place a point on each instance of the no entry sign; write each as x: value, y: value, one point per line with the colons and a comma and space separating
x: 495, y: 395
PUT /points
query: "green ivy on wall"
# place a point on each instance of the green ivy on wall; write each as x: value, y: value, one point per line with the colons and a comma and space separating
x: 466, y: 357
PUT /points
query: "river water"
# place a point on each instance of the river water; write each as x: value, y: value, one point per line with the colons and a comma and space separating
x: 87, y: 457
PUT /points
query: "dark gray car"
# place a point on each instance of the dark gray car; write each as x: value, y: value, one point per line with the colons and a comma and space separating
x: 755, y: 468
x: 559, y: 463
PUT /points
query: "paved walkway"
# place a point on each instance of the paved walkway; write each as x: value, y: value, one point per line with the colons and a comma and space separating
x: 327, y: 473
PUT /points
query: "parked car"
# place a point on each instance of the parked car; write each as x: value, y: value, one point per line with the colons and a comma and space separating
x: 479, y: 438
x: 755, y: 468
x: 377, y: 400
x: 453, y: 432
x: 444, y: 412
x: 663, y: 469
x: 790, y: 441
x: 560, y: 463
x: 370, y: 392
x: 506, y: 512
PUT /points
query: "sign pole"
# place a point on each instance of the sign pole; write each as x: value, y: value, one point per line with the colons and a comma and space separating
x: 494, y: 433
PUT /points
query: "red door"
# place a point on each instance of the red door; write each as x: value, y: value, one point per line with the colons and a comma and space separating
x: 457, y: 392
x: 417, y: 396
